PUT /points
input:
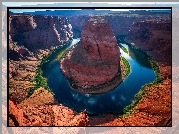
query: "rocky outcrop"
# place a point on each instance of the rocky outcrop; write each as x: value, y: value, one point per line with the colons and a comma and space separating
x: 96, y: 60
x: 44, y: 115
x: 153, y: 110
x: 120, y: 25
x: 31, y: 38
x: 79, y: 120
x: 154, y: 37
x: 37, y: 32
x: 63, y: 116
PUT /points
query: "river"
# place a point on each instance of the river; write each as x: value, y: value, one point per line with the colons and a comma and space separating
x: 113, y: 101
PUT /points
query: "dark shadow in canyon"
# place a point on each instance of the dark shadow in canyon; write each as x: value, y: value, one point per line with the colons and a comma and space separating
x: 138, y: 55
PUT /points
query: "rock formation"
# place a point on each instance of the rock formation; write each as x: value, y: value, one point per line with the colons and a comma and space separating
x: 120, y: 25
x: 42, y: 31
x: 31, y: 38
x: 96, y: 60
x: 154, y: 37
x: 44, y: 115
x: 155, y: 110
x: 36, y: 32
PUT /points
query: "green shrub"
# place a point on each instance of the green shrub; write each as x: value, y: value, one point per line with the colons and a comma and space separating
x: 61, y: 54
x: 127, y: 65
x: 38, y: 79
x: 156, y: 69
x: 123, y: 48
x: 127, y: 110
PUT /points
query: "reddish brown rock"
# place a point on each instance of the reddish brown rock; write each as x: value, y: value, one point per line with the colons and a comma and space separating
x: 154, y: 37
x: 16, y: 115
x: 30, y: 39
x: 120, y: 25
x: 96, y: 60
x: 79, y: 120
x: 36, y: 32
x: 154, y: 109
x: 61, y: 115
x: 40, y: 113
x: 45, y: 115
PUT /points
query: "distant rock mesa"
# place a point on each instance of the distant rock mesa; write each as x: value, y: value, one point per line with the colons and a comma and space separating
x: 95, y: 60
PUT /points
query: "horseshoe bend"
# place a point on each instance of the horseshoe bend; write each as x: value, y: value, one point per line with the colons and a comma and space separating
x: 39, y: 89
x: 93, y: 66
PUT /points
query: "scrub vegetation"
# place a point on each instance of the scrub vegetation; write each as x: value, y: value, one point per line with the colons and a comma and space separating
x: 128, y: 109
x: 38, y: 79
x: 123, y: 48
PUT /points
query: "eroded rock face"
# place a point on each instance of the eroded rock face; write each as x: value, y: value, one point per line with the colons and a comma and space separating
x: 44, y: 115
x: 154, y: 37
x: 96, y: 60
x: 37, y: 32
x: 120, y: 25
x: 31, y: 38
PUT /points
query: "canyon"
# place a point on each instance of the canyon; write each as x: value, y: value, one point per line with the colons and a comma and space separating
x: 32, y: 37
x: 154, y: 37
x: 116, y: 23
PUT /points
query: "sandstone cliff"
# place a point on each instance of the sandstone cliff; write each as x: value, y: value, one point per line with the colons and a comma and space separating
x: 31, y: 114
x: 120, y: 25
x: 154, y: 37
x: 155, y: 110
x: 96, y: 60
x: 32, y: 37
x: 28, y: 33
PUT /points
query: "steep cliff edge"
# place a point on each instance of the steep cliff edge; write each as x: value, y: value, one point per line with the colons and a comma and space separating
x: 119, y: 24
x: 153, y: 110
x: 31, y: 38
x: 96, y: 60
x: 37, y: 32
x: 38, y: 114
x: 154, y: 37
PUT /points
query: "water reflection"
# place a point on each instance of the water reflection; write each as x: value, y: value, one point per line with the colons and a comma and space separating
x: 140, y: 57
x: 113, y: 101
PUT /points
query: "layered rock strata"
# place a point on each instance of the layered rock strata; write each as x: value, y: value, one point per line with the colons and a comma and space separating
x: 36, y: 32
x: 95, y: 60
x: 154, y: 109
x: 154, y: 37
x: 120, y: 25
x: 28, y: 34
x: 30, y: 114
x: 31, y: 38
